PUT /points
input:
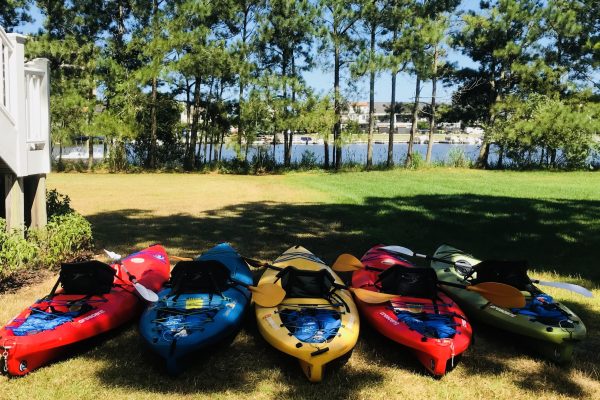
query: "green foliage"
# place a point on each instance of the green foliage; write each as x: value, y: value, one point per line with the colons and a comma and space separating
x: 167, y: 133
x: 262, y: 161
x: 57, y: 204
x: 416, y: 161
x: 540, y: 130
x: 14, y: 12
x: 241, y: 64
x: 422, y: 125
x: 64, y: 237
x: 15, y: 252
x: 308, y: 160
x: 457, y: 158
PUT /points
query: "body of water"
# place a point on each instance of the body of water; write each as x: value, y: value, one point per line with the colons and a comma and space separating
x: 356, y: 152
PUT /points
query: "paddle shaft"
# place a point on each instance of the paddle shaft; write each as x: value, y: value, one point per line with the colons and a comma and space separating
x: 131, y: 277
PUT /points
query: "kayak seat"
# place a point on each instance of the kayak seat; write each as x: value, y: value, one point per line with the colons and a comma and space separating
x: 307, y: 284
x: 86, y: 278
x: 513, y: 273
x: 199, y: 276
x: 415, y: 282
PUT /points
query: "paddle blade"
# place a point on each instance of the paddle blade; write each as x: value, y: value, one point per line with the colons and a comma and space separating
x: 567, y: 286
x: 368, y: 296
x: 177, y: 258
x: 500, y: 294
x: 347, y: 262
x: 112, y: 255
x: 146, y: 293
x: 399, y: 250
x: 267, y: 295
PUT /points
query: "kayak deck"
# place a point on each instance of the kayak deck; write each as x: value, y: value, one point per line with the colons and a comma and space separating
x: 312, y: 344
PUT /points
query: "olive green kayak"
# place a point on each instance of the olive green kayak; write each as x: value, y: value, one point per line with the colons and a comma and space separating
x: 551, y: 329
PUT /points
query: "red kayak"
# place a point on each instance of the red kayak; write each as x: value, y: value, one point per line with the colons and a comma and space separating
x: 93, y: 299
x: 423, y: 318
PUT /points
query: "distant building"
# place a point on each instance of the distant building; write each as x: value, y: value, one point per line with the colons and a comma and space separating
x: 24, y: 134
x: 474, y: 130
x: 359, y: 112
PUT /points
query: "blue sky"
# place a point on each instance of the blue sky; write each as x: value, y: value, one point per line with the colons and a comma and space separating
x: 321, y: 78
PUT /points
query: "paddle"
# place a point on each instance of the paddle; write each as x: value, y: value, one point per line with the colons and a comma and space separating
x: 146, y: 293
x: 265, y: 295
x: 499, y: 294
x: 408, y: 252
x: 567, y: 286
x: 465, y: 264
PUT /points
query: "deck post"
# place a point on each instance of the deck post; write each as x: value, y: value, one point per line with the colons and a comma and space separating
x: 14, y: 202
x: 35, y: 200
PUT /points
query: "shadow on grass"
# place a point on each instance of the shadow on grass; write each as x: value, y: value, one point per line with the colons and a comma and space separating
x: 554, y: 235
x: 239, y: 368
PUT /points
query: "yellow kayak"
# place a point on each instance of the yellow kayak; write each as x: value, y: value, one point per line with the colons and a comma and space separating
x: 317, y: 322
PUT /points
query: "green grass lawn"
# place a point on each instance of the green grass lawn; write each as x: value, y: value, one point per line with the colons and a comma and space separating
x: 551, y: 219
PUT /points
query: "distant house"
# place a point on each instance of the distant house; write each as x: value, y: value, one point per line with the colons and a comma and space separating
x: 24, y: 134
x: 358, y: 112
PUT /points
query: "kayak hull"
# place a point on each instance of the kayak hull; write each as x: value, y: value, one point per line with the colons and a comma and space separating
x: 553, y: 343
x: 220, y: 315
x: 313, y: 357
x: 437, y: 355
x: 23, y: 354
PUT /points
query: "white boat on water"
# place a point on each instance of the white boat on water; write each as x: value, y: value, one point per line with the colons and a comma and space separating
x: 79, y: 154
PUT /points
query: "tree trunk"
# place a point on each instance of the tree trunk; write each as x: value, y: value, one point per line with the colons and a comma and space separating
x: 337, y: 128
x: 326, y: 150
x: 433, y: 110
x: 390, y: 152
x: 221, y: 144
x: 189, y: 162
x: 151, y: 162
x: 484, y: 152
x: 371, y: 101
x: 413, y: 128
x: 90, y: 152
x: 500, y: 164
x: 288, y: 160
x: 188, y: 118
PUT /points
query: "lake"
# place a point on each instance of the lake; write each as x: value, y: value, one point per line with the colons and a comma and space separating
x: 356, y: 152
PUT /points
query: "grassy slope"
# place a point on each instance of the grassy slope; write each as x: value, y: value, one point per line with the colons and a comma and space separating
x: 551, y: 219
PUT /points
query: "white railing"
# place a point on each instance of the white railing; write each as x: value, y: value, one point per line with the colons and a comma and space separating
x: 6, y: 49
x: 36, y: 110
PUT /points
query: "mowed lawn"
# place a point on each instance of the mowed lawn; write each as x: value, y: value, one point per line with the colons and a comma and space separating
x: 550, y: 219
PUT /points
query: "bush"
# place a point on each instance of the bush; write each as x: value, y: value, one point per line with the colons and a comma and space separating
x: 457, y: 158
x: 15, y: 252
x: 308, y: 160
x: 262, y: 161
x: 417, y: 161
x: 65, y: 237
x: 57, y: 204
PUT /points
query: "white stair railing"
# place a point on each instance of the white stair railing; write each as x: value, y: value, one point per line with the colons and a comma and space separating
x: 6, y: 50
x: 36, y: 110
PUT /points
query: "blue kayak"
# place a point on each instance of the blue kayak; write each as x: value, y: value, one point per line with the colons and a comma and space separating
x: 203, y: 303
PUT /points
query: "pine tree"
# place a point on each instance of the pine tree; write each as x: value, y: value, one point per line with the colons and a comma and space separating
x: 338, y: 20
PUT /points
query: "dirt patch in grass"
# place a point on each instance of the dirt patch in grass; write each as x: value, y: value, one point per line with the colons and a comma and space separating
x: 22, y: 279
